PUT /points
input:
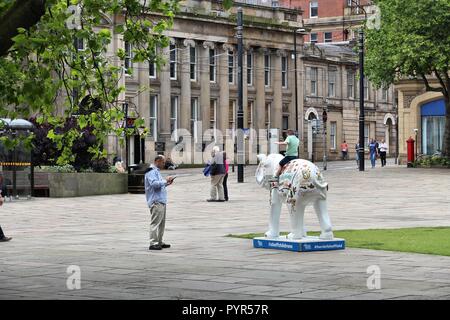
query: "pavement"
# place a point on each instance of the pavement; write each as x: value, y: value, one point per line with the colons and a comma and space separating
x: 99, y: 244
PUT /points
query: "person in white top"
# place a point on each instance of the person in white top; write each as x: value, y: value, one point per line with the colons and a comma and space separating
x: 383, y: 150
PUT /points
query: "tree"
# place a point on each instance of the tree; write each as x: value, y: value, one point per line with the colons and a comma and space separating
x: 413, y: 41
x: 44, y: 68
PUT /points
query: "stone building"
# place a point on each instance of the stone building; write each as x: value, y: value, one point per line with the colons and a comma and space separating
x: 421, y: 116
x: 193, y: 98
x: 331, y: 85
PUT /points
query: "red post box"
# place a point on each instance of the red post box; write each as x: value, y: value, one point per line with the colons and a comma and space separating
x: 410, y: 151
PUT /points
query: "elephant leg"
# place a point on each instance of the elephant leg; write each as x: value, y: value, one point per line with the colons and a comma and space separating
x: 274, y: 219
x: 297, y: 222
x: 320, y: 206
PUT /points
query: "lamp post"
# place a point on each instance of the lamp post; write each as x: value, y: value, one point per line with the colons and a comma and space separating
x: 324, y: 119
x: 416, y: 133
x: 361, y: 100
x: 125, y: 111
x: 240, y: 111
x: 361, y: 87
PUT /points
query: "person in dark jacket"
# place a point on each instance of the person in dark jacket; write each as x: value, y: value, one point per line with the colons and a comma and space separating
x: 217, y: 176
x: 225, y: 178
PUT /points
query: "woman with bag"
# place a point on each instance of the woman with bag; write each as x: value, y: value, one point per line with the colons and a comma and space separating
x: 217, y: 176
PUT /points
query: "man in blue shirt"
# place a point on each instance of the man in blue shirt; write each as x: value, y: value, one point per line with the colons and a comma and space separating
x: 156, y: 195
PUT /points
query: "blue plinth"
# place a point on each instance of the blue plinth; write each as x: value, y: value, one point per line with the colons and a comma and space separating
x: 306, y: 244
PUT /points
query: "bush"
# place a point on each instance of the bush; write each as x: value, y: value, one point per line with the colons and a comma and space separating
x: 432, y: 161
x: 45, y: 151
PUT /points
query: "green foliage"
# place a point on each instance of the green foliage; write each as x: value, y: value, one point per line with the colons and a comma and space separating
x: 45, y: 69
x: 432, y: 161
x: 413, y: 40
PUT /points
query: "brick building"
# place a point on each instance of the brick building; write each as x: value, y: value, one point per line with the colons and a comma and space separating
x: 330, y: 20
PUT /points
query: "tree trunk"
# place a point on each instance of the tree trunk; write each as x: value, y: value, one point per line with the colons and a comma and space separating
x: 446, y: 141
x: 22, y: 14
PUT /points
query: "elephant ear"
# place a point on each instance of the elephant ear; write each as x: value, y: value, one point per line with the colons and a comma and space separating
x: 261, y: 157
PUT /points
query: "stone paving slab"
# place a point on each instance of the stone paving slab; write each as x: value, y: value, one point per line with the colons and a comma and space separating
x: 107, y: 237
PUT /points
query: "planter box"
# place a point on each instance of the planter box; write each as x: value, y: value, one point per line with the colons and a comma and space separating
x: 86, y: 184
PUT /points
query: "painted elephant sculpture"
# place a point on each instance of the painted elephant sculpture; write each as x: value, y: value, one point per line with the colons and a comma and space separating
x: 300, y: 185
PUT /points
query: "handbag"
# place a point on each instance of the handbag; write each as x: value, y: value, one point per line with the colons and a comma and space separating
x: 207, y: 170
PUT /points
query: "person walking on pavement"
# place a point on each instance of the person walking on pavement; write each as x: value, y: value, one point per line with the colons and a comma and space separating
x: 344, y: 150
x: 156, y: 196
x: 357, y: 154
x: 225, y: 178
x: 373, y: 152
x: 217, y: 176
x: 383, y: 150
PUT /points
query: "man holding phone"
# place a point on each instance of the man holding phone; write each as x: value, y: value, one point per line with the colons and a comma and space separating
x: 156, y: 196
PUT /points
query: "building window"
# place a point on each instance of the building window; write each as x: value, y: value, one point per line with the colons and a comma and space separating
x: 250, y: 114
x: 152, y: 70
x: 384, y: 94
x: 193, y: 63
x: 284, y: 75
x: 230, y: 66
x: 366, y: 89
x: 267, y: 116
x: 213, y: 117
x: 194, y: 117
x: 267, y: 70
x: 328, y: 37
x: 332, y: 83
x: 313, y: 9
x: 366, y: 135
x: 249, y: 69
x: 212, y: 65
x: 154, y: 117
x: 313, y: 77
x: 173, y: 62
x: 350, y: 84
x: 285, y: 125
x: 313, y: 38
x: 333, y: 141
x: 433, y: 126
x: 128, y: 57
x: 174, y: 117
x: 78, y: 44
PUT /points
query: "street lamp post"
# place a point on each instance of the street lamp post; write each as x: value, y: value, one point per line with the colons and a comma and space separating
x: 361, y: 100
x: 324, y: 119
x: 125, y: 111
x: 240, y: 111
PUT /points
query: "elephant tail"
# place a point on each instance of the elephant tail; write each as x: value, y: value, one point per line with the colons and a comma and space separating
x: 319, y: 183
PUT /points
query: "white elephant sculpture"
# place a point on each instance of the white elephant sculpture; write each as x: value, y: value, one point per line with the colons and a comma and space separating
x: 300, y: 184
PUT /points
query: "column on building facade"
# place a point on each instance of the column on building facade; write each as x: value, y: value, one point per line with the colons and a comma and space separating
x: 277, y: 109
x: 164, y: 98
x: 291, y: 88
x: 260, y: 103
x: 224, y: 89
x: 185, y: 99
x: 301, y: 82
x: 205, y: 92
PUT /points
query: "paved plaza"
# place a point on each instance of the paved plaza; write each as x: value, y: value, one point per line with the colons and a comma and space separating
x: 107, y: 238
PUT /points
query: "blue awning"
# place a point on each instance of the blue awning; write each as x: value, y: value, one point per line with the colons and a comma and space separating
x: 434, y: 108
